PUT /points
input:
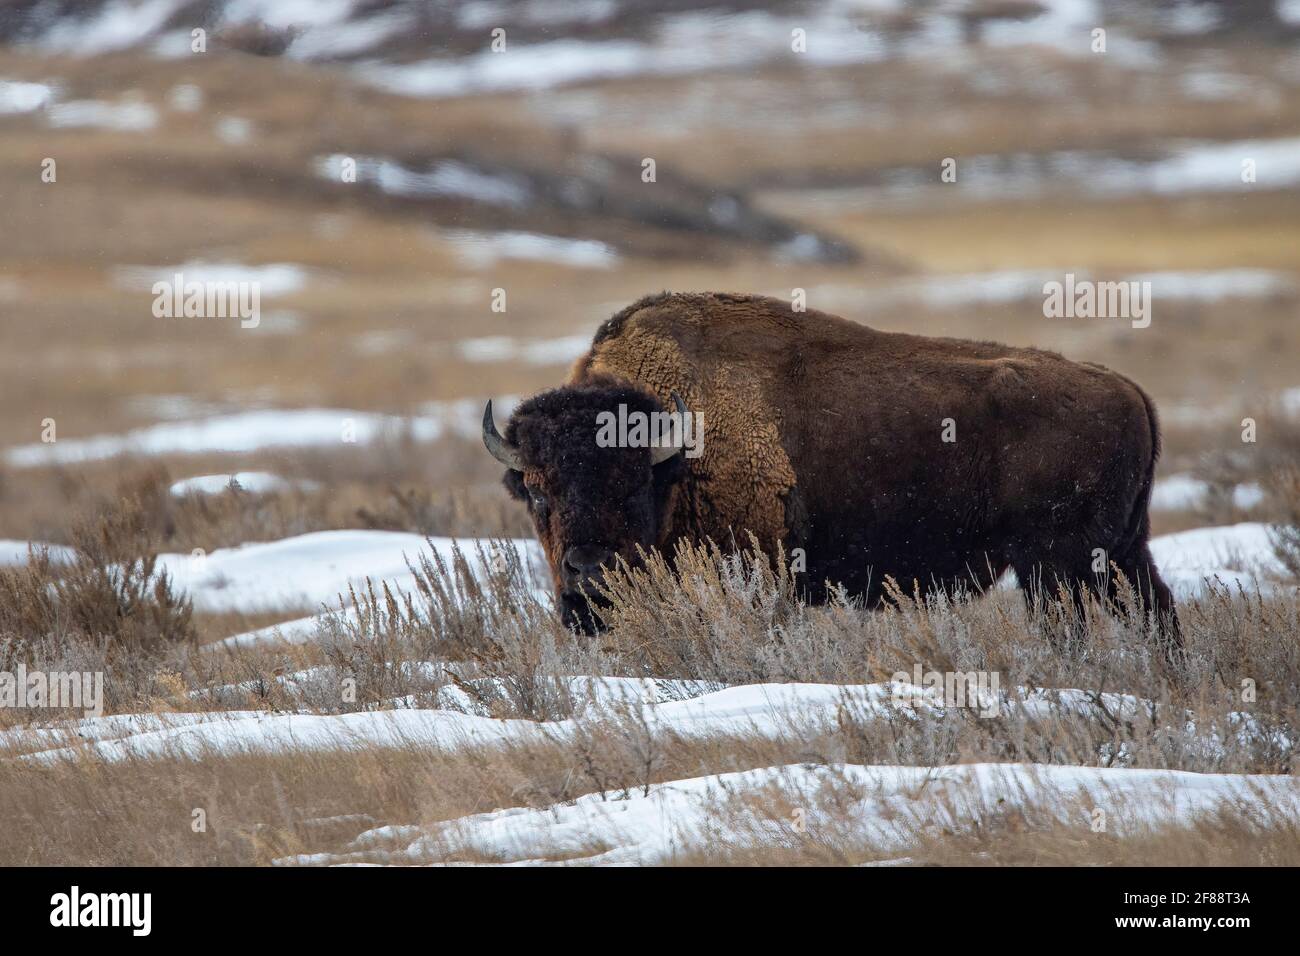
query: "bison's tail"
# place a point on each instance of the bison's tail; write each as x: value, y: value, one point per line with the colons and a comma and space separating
x: 1138, y: 526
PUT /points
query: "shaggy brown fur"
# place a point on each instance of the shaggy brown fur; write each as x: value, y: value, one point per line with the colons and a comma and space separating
x: 827, y: 436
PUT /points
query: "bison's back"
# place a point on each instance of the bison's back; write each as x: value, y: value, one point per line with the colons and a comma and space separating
x: 823, y: 431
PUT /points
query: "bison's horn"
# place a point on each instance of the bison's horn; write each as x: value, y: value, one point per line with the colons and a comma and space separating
x: 663, y: 452
x: 501, y: 449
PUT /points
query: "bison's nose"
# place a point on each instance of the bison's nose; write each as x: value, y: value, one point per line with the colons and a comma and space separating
x: 583, y: 562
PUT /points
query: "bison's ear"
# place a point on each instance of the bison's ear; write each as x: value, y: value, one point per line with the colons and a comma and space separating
x: 669, y: 471
x: 514, y: 482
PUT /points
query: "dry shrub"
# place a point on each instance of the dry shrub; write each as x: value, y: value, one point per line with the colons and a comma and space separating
x: 475, y: 634
x: 755, y: 827
x: 483, y: 614
x: 393, y: 483
x: 1284, y: 489
x: 724, y: 616
x: 111, y: 589
x: 732, y: 618
x: 264, y: 807
x: 1271, y: 463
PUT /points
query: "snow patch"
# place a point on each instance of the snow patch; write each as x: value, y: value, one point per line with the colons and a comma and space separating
x: 19, y: 97
x: 273, y: 279
x: 503, y: 348
x: 312, y: 570
x: 125, y: 115
x: 253, y: 482
x: 1239, y: 555
x: 448, y: 178
x: 17, y: 552
x: 481, y: 250
x: 888, y: 804
x: 1184, y: 492
x: 236, y: 432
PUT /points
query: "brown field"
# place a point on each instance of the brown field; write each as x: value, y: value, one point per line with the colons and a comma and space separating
x: 394, y: 292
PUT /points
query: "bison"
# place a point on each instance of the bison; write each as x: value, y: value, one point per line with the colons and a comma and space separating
x: 939, y: 462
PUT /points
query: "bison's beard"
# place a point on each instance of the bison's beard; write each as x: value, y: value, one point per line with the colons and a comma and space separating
x: 576, y: 612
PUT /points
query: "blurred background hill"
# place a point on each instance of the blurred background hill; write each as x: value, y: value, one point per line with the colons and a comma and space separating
x: 795, y: 146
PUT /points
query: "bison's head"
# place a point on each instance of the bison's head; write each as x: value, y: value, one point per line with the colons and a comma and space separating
x: 591, y: 500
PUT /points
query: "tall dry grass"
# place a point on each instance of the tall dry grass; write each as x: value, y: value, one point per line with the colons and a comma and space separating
x: 476, y: 633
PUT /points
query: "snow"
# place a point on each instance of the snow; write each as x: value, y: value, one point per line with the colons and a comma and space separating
x: 235, y: 131
x: 881, y: 807
x: 117, y: 25
x: 254, y: 482
x: 1235, y: 555
x: 310, y: 570
x: 448, y: 178
x: 249, y: 431
x: 1214, y: 285
x: 770, y: 711
x: 696, y: 41
x: 950, y: 291
x: 1218, y: 166
x: 57, y: 735
x: 299, y: 630
x: 484, y: 249
x: 283, y: 14
x: 273, y: 279
x: 503, y: 348
x: 1189, y: 561
x: 684, y: 709
x: 16, y: 552
x: 125, y: 115
x: 277, y: 733
x: 237, y: 432
x: 887, y: 805
x: 1186, y: 167
x: 185, y: 98
x: 17, y: 96
x: 1184, y: 492
x: 355, y: 37
x: 533, y: 67
x: 673, y: 43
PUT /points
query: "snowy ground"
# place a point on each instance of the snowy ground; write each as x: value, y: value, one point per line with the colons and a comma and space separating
x: 691, y: 710
x: 314, y: 569
x: 248, y: 431
x: 887, y: 805
x: 890, y: 805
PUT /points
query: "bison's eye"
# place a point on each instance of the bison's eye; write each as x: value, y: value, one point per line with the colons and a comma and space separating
x: 538, y: 500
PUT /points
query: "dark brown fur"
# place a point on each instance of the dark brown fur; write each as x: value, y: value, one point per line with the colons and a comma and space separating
x: 825, y: 435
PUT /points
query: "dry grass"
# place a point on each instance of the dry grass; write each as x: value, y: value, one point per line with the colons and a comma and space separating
x: 378, y: 329
x: 755, y: 828
x: 447, y: 487
x: 723, y: 617
x: 111, y: 593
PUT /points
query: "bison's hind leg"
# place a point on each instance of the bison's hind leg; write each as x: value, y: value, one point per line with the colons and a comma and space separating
x: 1056, y: 595
x: 1139, y: 569
x: 1058, y: 589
